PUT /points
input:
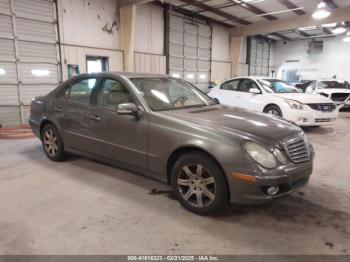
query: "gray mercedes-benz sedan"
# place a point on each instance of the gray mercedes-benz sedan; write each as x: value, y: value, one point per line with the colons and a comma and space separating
x: 168, y: 129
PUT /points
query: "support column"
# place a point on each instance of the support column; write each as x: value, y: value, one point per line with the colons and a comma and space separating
x: 127, y: 35
x: 235, y: 46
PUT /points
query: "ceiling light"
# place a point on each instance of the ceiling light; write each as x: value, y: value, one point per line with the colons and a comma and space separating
x: 329, y: 25
x: 175, y: 75
x: 322, y: 11
x: 339, y: 30
x: 190, y: 76
x: 347, y: 38
x: 2, y: 72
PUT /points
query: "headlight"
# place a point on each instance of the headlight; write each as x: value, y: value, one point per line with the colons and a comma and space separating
x: 279, y: 155
x: 260, y: 154
x: 294, y: 104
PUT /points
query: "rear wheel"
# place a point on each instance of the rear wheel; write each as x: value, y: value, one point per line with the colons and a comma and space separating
x: 273, y: 110
x: 199, y: 184
x: 52, y: 143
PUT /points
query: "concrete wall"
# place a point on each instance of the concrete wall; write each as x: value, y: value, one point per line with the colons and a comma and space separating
x: 89, y: 27
x: 334, y: 60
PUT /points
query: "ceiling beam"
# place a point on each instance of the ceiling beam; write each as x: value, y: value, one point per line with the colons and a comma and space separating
x: 255, y: 10
x: 283, y: 37
x: 122, y: 3
x: 302, y: 33
x: 326, y: 31
x: 338, y: 15
x: 290, y: 5
x: 217, y: 12
x: 331, y: 4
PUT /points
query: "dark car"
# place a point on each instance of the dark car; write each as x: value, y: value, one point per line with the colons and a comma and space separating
x: 168, y: 129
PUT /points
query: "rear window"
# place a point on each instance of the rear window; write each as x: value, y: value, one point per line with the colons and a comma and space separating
x: 334, y: 84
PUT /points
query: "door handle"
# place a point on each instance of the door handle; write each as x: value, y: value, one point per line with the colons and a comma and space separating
x: 95, y: 117
x: 58, y: 109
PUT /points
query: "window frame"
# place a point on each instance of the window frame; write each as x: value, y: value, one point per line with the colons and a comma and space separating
x: 231, y: 80
x: 125, y: 85
x: 252, y: 80
x: 69, y: 86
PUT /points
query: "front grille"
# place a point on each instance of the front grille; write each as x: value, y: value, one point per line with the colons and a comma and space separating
x: 297, y: 150
x: 323, y: 120
x: 328, y: 107
x: 339, y: 97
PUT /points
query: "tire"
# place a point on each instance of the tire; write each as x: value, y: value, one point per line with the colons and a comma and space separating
x: 203, y: 193
x: 273, y: 110
x: 52, y: 143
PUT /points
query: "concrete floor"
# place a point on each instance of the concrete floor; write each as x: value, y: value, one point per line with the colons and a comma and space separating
x: 83, y: 207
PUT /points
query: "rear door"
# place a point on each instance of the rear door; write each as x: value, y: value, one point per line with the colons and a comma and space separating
x: 71, y: 111
x: 227, y: 92
x: 247, y: 100
x: 122, y: 138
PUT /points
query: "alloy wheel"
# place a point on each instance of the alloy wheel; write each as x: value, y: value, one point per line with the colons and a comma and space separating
x: 50, y: 142
x: 196, y: 185
x: 273, y: 112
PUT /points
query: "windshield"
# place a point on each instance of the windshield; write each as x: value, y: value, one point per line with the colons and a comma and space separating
x: 334, y: 84
x: 168, y: 93
x: 277, y: 86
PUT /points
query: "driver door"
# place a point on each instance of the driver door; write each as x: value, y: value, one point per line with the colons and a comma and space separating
x: 247, y: 100
x: 122, y: 138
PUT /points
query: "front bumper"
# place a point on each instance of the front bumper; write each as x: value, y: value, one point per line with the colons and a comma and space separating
x: 311, y: 117
x: 288, y: 178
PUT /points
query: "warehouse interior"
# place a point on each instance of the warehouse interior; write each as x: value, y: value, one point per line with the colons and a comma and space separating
x: 84, y: 207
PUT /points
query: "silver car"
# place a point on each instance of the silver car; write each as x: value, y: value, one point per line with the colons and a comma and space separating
x: 168, y: 129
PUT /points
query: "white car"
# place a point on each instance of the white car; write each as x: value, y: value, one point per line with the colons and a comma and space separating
x: 336, y: 90
x: 278, y: 98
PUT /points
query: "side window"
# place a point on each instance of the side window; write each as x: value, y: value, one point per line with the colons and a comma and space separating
x: 112, y: 93
x: 230, y: 85
x: 246, y: 84
x: 79, y: 91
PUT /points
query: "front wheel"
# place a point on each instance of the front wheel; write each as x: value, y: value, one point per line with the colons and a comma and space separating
x: 199, y: 184
x: 273, y: 110
x: 52, y: 143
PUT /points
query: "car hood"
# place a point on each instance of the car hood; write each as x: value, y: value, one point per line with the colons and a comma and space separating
x: 304, y: 98
x: 333, y: 90
x: 232, y: 120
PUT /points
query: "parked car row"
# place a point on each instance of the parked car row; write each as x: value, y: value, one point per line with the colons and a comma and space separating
x: 278, y: 98
x: 166, y: 128
x: 336, y: 90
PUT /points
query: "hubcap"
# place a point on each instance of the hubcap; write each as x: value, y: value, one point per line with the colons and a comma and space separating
x: 273, y: 112
x: 196, y: 185
x: 50, y: 142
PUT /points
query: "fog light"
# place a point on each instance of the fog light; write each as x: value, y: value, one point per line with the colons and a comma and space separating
x: 272, y: 190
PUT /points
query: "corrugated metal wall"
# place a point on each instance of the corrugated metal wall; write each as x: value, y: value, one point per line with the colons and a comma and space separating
x: 29, y: 57
x: 190, y: 50
x: 150, y: 63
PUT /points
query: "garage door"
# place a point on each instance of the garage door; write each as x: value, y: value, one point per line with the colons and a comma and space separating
x: 259, y: 57
x: 29, y: 57
x: 190, y: 50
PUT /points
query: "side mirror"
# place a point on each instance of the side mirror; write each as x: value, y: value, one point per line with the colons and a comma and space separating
x: 127, y: 109
x: 254, y: 90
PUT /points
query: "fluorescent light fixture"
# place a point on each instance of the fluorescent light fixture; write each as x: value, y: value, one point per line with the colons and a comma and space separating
x: 339, y: 30
x: 2, y: 72
x: 329, y: 25
x: 40, y: 72
x: 190, y: 76
x: 347, y: 37
x: 307, y: 28
x: 175, y: 75
x: 322, y: 11
x: 202, y: 76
